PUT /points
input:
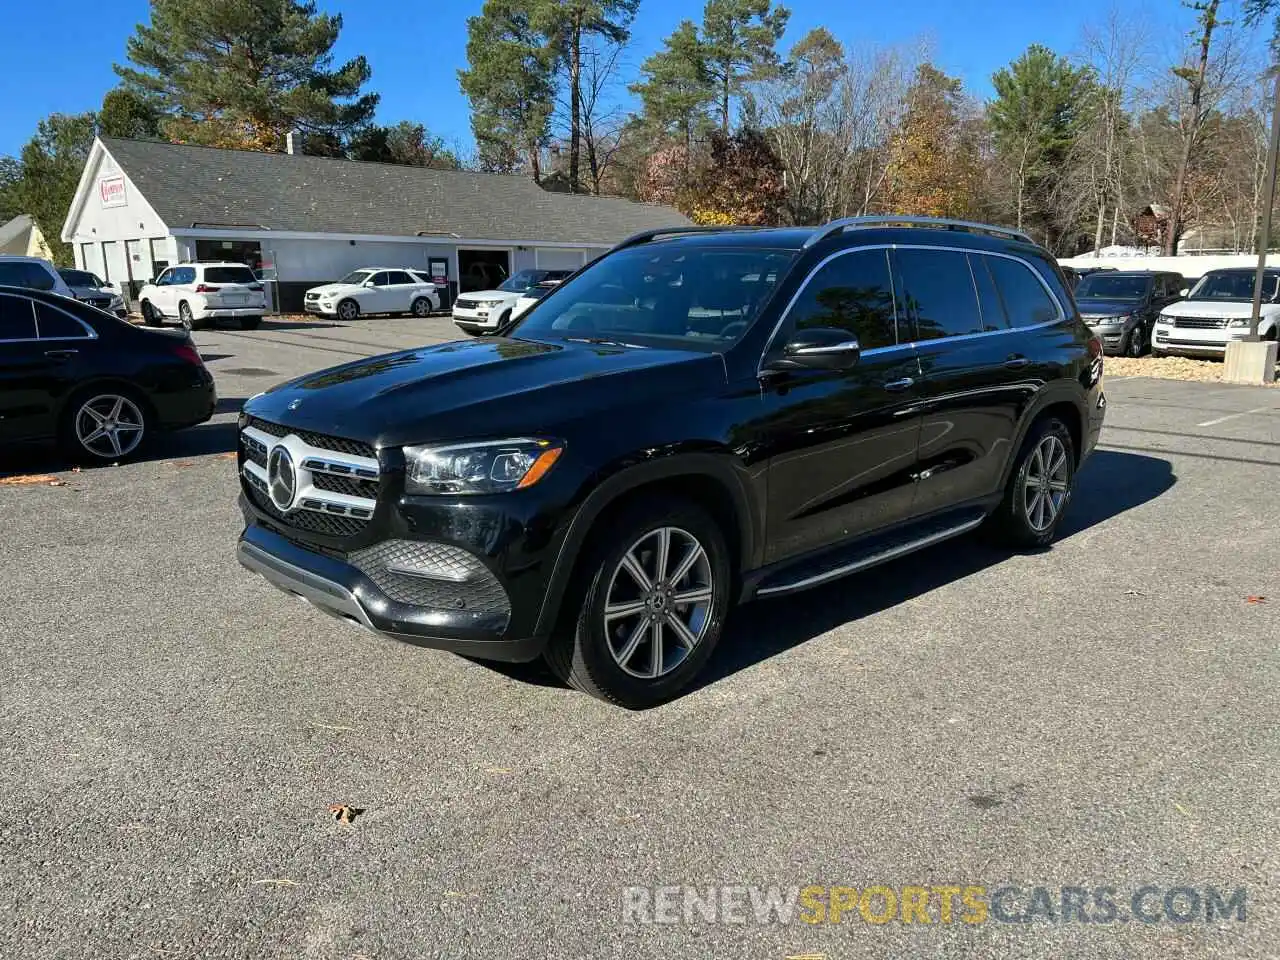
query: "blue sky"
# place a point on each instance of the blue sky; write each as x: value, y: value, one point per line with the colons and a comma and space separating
x: 61, y: 59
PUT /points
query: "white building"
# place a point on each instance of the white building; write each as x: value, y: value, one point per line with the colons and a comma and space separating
x: 142, y: 205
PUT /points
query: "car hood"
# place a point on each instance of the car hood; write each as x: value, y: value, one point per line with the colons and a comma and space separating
x: 489, y: 295
x: 335, y: 288
x: 1090, y: 307
x: 1230, y: 309
x: 91, y: 292
x: 483, y: 387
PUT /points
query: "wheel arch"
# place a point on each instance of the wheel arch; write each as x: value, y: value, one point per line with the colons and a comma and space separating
x: 1064, y: 403
x: 707, y: 480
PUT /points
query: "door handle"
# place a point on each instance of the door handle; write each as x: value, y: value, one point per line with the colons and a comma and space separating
x: 897, y: 386
x: 1016, y: 362
x: 60, y: 354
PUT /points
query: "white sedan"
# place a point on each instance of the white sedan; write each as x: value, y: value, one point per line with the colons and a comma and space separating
x: 374, y: 290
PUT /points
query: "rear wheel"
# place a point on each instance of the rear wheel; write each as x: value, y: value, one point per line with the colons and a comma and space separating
x: 421, y: 307
x: 647, y: 606
x: 105, y: 425
x: 1039, y: 489
x: 348, y: 310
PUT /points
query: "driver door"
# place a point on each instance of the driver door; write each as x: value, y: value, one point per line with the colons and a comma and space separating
x: 379, y: 296
x: 162, y: 293
x: 842, y: 444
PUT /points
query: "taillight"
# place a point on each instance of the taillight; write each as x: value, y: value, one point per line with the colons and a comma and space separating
x: 205, y: 288
x: 188, y: 353
x: 1095, y: 347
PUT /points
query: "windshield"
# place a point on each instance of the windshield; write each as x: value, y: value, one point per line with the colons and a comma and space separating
x: 229, y: 275
x: 1235, y: 285
x: 526, y: 280
x: 1102, y: 286
x: 662, y: 296
x: 357, y: 277
x: 80, y: 278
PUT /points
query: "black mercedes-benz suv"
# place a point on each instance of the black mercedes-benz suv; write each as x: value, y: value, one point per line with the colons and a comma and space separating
x: 698, y: 418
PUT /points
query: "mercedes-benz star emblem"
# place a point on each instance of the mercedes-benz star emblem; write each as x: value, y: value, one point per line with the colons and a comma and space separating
x: 282, y: 481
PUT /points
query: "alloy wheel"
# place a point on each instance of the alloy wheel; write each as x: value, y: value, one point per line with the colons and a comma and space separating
x: 1134, y: 342
x: 421, y: 307
x: 659, y: 602
x: 184, y: 314
x: 1048, y: 483
x: 347, y: 310
x: 109, y: 425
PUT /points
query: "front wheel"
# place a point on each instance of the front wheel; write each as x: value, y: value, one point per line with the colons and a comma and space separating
x: 1039, y: 489
x: 1135, y: 343
x: 647, y: 606
x: 149, y: 315
x: 348, y: 310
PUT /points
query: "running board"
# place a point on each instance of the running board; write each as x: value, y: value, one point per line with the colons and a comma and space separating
x: 870, y: 555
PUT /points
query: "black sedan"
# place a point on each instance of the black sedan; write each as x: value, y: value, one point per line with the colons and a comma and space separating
x: 98, y: 385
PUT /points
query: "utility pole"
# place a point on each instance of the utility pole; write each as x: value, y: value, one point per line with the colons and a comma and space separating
x: 1268, y: 200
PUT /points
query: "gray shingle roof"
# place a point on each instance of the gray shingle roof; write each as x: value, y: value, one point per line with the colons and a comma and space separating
x: 189, y: 185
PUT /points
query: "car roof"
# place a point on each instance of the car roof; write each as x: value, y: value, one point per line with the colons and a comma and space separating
x: 1143, y: 273
x: 211, y: 263
x: 871, y: 234
x: 1251, y: 271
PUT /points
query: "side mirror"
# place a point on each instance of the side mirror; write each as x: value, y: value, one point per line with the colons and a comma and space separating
x: 820, y: 349
x: 1184, y: 291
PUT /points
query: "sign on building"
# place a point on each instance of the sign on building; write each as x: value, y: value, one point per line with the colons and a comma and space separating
x: 111, y: 191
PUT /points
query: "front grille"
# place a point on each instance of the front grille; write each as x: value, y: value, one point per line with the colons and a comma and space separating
x: 309, y: 520
x: 466, y: 304
x: 1200, y: 323
x: 355, y: 448
x: 254, y: 450
x: 351, y: 486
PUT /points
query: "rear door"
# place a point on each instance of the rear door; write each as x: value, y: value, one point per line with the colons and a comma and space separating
x: 976, y: 374
x: 400, y: 290
x: 842, y: 443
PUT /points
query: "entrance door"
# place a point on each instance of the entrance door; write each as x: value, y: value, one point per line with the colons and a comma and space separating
x: 482, y: 269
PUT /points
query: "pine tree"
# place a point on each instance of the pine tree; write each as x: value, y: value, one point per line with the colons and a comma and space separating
x: 52, y: 162
x: 740, y: 37
x: 509, y: 81
x: 675, y: 88
x: 243, y: 73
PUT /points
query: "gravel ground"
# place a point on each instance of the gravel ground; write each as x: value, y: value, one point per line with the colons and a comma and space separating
x: 1099, y: 714
x: 1170, y: 368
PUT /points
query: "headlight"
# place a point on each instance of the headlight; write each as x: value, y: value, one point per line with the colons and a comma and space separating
x: 1165, y: 319
x: 492, y: 303
x: 116, y: 301
x: 1238, y: 323
x: 493, y: 466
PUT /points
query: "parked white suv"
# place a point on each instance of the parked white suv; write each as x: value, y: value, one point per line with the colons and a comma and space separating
x: 374, y: 290
x: 488, y: 309
x: 198, y: 294
x: 1215, y: 312
x: 32, y: 273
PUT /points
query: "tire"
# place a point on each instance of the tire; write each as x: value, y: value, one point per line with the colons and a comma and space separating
x: 92, y: 410
x: 503, y: 320
x: 250, y: 323
x: 1134, y: 344
x: 347, y: 311
x: 189, y: 322
x: 421, y: 307
x: 1024, y: 518
x: 149, y: 315
x: 614, y: 660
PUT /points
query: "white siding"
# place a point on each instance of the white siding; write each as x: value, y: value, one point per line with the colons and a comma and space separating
x: 323, y: 260
x: 560, y: 258
x: 133, y: 219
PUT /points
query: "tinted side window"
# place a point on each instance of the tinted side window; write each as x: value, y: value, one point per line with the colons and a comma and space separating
x: 23, y: 273
x: 183, y: 275
x: 852, y: 292
x: 380, y: 279
x: 937, y: 292
x: 53, y: 323
x: 399, y: 276
x: 17, y: 319
x: 1025, y: 298
x: 993, y: 315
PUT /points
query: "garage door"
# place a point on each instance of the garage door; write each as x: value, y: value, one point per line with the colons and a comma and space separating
x: 556, y: 258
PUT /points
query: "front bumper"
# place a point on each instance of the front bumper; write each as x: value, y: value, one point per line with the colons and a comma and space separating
x: 475, y: 320
x: 314, y: 306
x: 1194, y: 342
x: 1112, y: 335
x: 340, y: 589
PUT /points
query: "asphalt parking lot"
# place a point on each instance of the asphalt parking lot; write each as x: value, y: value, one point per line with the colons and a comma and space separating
x: 1102, y: 714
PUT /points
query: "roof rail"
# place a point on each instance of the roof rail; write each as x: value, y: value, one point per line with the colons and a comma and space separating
x: 647, y: 235
x: 836, y: 227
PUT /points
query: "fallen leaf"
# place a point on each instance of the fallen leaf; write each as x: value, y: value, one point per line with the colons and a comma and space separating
x: 280, y: 882
x: 461, y: 894
x: 496, y: 770
x: 225, y: 456
x: 184, y: 463
x: 1182, y: 810
x: 57, y: 483
x: 24, y: 479
x: 1255, y: 599
x: 330, y: 726
x: 344, y: 813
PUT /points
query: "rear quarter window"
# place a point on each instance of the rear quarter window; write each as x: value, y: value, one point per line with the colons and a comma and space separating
x: 1026, y: 300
